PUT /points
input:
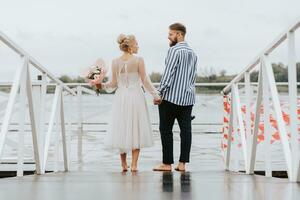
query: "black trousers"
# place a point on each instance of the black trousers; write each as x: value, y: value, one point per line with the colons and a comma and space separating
x: 168, y: 112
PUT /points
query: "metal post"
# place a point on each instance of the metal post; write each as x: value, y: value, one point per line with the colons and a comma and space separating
x: 230, y: 128
x: 63, y: 134
x: 53, y: 116
x: 235, y: 148
x: 278, y: 113
x: 80, y: 128
x: 33, y: 123
x: 292, y: 78
x: 248, y: 95
x: 10, y: 104
x: 267, y: 126
x: 241, y: 125
x: 252, y: 156
x: 56, y: 134
x: 22, y: 118
x: 42, y: 125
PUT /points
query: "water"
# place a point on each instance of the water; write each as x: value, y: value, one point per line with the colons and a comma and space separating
x: 206, y: 153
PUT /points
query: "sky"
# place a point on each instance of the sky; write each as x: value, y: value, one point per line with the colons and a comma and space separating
x: 67, y: 36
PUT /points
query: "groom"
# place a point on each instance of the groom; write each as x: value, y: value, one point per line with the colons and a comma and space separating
x: 177, y: 91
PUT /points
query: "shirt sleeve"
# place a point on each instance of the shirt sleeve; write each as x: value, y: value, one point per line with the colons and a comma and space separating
x: 168, y: 76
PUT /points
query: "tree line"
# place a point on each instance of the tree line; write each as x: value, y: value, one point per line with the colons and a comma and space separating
x: 209, y: 75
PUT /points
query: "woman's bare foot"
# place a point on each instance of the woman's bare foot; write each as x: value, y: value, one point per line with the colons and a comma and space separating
x: 123, y: 162
x: 163, y: 167
x: 124, y: 167
x: 134, y: 168
x: 135, y: 157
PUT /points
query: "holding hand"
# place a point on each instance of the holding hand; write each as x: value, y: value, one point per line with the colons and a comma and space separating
x: 157, y: 101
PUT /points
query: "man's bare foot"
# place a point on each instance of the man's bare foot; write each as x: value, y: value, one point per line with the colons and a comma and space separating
x: 163, y: 167
x: 180, y: 167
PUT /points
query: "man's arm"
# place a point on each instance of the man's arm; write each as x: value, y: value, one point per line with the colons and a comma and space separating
x: 168, y: 76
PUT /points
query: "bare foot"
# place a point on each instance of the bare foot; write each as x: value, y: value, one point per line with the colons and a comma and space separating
x: 124, y: 167
x: 163, y: 167
x: 180, y: 167
x: 134, y: 168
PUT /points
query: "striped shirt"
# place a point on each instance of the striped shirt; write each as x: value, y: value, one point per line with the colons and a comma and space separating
x: 178, y: 81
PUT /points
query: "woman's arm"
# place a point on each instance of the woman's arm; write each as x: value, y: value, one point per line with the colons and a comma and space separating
x: 112, y: 84
x: 146, y: 80
x: 109, y: 86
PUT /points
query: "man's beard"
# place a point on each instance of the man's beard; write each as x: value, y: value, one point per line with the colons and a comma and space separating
x: 173, y: 43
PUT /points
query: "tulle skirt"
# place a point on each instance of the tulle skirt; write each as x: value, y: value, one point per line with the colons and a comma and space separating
x: 130, y: 126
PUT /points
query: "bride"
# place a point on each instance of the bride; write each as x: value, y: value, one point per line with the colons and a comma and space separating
x: 131, y: 126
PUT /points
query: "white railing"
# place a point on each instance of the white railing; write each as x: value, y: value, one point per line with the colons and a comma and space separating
x: 81, y: 88
x: 267, y: 95
x: 77, y: 124
x: 22, y: 87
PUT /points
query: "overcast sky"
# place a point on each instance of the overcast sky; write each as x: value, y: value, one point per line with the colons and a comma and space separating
x: 66, y: 36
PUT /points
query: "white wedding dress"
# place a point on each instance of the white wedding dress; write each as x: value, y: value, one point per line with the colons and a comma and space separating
x: 130, y: 127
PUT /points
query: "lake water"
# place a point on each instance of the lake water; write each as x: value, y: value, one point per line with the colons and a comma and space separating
x: 206, y: 153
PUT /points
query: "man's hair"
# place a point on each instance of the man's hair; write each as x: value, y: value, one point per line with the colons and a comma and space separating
x: 178, y: 27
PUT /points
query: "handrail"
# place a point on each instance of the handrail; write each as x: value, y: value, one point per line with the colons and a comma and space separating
x: 270, y: 48
x: 22, y: 86
x: 8, y: 84
x: 246, y: 121
x: 6, y: 40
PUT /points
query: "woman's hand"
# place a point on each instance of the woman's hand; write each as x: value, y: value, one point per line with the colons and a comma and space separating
x: 157, y: 101
x: 98, y: 86
x: 96, y: 80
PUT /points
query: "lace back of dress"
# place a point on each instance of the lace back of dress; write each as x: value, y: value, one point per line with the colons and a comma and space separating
x: 125, y: 69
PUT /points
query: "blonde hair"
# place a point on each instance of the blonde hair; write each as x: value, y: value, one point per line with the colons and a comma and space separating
x: 126, y: 42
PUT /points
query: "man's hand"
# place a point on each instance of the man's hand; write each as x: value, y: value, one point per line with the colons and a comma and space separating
x: 157, y: 101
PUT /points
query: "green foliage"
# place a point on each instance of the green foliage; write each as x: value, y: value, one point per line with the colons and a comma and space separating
x: 155, y: 77
x: 280, y: 73
x: 67, y: 79
x: 210, y: 76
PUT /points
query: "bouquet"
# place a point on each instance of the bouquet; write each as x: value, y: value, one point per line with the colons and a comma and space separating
x: 97, y: 70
